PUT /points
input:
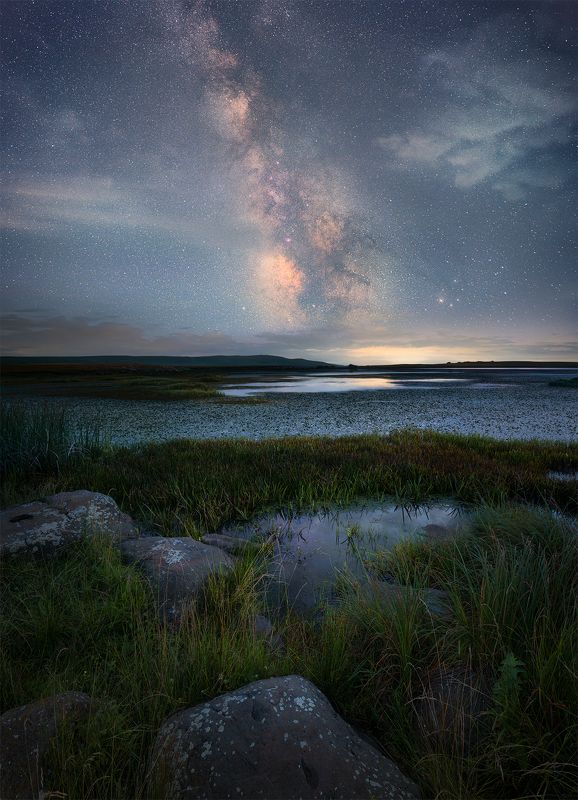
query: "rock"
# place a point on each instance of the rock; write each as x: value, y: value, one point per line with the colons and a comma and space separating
x: 440, y: 533
x: 264, y: 627
x: 436, y: 600
x: 175, y: 567
x: 277, y: 739
x: 452, y: 705
x: 25, y: 735
x: 230, y: 544
x: 47, y: 527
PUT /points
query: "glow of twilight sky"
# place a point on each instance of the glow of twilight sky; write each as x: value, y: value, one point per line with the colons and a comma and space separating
x: 372, y: 182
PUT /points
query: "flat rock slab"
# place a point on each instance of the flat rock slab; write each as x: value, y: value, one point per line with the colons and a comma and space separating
x: 25, y: 736
x: 277, y: 739
x: 48, y: 526
x: 175, y: 567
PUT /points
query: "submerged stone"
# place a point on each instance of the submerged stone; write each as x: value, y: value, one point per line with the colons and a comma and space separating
x: 230, y: 544
x: 263, y: 627
x: 441, y: 533
x: 276, y: 739
x: 48, y: 526
x: 436, y: 601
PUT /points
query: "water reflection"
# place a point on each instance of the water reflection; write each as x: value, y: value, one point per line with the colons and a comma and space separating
x: 334, y: 383
x: 313, y: 550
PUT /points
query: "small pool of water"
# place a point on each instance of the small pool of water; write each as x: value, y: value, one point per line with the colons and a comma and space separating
x: 563, y: 476
x: 313, y: 550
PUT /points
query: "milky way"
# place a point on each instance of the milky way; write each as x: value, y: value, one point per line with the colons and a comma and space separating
x: 355, y: 181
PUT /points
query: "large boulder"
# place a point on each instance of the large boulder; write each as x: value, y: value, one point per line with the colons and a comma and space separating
x: 278, y: 739
x: 48, y: 526
x: 176, y: 568
x: 25, y: 736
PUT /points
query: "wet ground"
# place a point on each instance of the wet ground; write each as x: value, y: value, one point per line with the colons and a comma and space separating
x: 313, y: 552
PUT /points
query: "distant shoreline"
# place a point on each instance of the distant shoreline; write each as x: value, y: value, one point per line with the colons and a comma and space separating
x: 264, y: 362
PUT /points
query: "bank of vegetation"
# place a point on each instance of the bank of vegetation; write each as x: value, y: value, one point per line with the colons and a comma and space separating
x: 87, y: 622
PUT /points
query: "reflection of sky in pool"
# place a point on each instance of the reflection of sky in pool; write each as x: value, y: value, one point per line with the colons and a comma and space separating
x: 332, y: 383
x: 313, y: 549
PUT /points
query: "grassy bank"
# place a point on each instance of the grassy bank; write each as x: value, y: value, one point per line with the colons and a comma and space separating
x: 192, y: 485
x: 116, y: 381
x: 565, y: 383
x: 87, y: 623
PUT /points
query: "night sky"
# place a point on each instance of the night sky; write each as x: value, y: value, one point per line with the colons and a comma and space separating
x: 385, y: 181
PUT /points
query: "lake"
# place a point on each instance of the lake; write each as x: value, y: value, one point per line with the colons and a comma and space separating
x: 503, y: 403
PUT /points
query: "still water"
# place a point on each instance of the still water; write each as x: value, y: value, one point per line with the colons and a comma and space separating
x: 314, y: 552
x: 330, y: 382
x: 506, y: 404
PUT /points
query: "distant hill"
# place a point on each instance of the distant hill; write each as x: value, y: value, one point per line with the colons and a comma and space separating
x: 271, y: 362
x: 191, y: 361
x: 479, y: 365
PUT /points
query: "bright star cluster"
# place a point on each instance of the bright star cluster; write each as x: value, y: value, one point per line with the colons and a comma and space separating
x: 359, y: 181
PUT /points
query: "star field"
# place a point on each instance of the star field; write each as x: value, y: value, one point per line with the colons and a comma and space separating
x: 356, y: 181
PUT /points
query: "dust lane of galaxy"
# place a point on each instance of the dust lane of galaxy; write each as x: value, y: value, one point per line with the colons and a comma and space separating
x: 353, y: 181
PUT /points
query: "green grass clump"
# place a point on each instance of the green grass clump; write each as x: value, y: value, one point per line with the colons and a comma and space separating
x: 88, y: 623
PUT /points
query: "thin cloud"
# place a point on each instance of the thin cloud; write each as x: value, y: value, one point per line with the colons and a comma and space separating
x: 37, y: 335
x: 495, y: 113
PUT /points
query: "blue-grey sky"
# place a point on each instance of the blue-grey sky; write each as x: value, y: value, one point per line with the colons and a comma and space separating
x: 381, y: 181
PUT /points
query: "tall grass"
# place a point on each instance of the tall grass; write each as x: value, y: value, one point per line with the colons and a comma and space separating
x: 88, y: 623
x: 41, y: 439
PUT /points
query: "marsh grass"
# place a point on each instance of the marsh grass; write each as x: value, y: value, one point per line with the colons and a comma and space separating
x: 42, y: 439
x: 197, y: 485
x: 88, y: 623
x: 565, y: 383
x: 134, y: 382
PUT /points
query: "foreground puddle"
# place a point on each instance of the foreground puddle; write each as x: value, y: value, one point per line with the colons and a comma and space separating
x: 563, y: 476
x: 313, y: 550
